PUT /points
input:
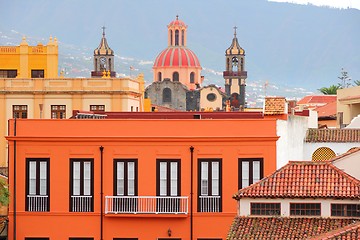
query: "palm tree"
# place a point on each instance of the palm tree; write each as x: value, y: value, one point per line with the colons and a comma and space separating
x: 329, y: 90
x: 357, y: 82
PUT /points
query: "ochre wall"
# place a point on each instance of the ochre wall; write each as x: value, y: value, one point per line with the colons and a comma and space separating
x: 145, y: 140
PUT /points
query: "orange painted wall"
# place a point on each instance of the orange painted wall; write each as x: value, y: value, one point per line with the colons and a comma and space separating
x: 145, y: 140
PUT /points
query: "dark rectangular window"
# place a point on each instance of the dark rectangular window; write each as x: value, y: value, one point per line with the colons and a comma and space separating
x: 37, y: 238
x: 125, y: 186
x: 37, y: 185
x: 345, y: 210
x: 125, y: 173
x: 125, y: 239
x: 168, y: 185
x: 97, y: 107
x: 81, y: 185
x: 250, y: 171
x: 209, y: 185
x: 38, y: 73
x: 168, y: 178
x: 58, y: 111
x: 81, y: 238
x: 265, y: 209
x: 305, y: 209
x: 8, y: 73
x: 20, y: 111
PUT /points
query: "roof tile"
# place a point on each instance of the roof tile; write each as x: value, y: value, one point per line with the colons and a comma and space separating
x: 303, y: 180
x: 253, y: 228
x: 333, y: 135
x: 274, y: 105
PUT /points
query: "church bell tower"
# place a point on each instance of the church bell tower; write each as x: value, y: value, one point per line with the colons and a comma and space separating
x: 235, y: 74
x: 103, y: 59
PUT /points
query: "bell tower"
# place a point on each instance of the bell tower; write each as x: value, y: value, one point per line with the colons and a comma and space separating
x: 235, y: 74
x: 103, y: 59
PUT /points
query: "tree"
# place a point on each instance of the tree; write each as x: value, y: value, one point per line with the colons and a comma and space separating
x: 4, y: 193
x: 344, y: 79
x: 329, y: 90
x: 357, y: 82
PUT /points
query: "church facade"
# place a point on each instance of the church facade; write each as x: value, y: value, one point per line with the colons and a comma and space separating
x: 177, y: 76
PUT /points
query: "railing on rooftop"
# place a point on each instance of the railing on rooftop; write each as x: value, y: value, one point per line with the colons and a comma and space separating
x: 235, y: 74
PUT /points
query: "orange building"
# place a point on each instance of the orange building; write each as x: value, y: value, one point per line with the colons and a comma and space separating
x: 135, y: 177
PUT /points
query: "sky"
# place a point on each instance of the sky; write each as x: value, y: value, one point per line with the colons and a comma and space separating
x: 330, y: 3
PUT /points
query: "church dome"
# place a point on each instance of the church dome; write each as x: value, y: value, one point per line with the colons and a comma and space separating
x: 177, y: 57
x: 177, y: 22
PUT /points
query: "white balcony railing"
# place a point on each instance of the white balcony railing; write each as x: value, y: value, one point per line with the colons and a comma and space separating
x: 209, y: 203
x: 146, y: 204
x: 81, y: 203
x: 37, y: 203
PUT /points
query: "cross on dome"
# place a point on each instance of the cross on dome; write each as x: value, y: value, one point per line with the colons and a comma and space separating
x: 235, y: 31
x: 103, y: 28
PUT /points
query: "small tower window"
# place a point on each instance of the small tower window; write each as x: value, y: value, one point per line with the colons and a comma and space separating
x: 192, y: 77
x: 167, y: 95
x: 242, y: 64
x: 176, y: 37
x: 109, y: 64
x: 182, y: 38
x: 171, y: 38
x: 159, y: 76
x: 175, y: 76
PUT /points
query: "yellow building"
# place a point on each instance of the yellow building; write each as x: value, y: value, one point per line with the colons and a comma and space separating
x: 26, y: 61
x: 348, y: 105
x: 56, y: 97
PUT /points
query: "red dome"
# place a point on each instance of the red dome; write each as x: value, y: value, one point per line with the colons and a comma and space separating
x: 177, y: 57
x: 177, y: 23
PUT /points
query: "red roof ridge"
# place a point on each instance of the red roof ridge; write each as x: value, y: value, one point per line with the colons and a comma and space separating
x: 339, y: 232
x: 351, y: 151
x: 281, y: 183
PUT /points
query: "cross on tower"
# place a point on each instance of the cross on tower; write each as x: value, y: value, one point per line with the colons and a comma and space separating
x: 103, y: 28
x: 235, y: 31
x: 177, y: 17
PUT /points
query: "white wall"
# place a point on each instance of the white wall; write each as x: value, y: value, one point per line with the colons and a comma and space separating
x: 350, y: 164
x: 337, y: 147
x: 290, y: 145
x: 244, y: 204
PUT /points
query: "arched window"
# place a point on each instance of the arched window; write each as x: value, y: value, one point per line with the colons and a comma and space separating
x: 109, y: 64
x: 182, y: 37
x: 175, y: 76
x: 242, y: 64
x: 171, y: 40
x: 166, y: 95
x: 96, y: 64
x: 159, y: 76
x: 176, y: 37
x: 192, y: 77
x: 323, y: 154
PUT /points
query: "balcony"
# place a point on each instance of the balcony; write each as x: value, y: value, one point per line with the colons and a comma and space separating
x: 37, y: 203
x: 209, y: 204
x: 81, y: 204
x: 230, y: 74
x: 145, y: 205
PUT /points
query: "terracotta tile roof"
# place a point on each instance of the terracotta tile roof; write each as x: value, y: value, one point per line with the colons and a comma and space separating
x: 328, y: 110
x: 350, y: 232
x: 351, y: 151
x: 333, y: 135
x: 254, y: 228
x: 305, y: 180
x: 274, y: 105
x: 319, y: 99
